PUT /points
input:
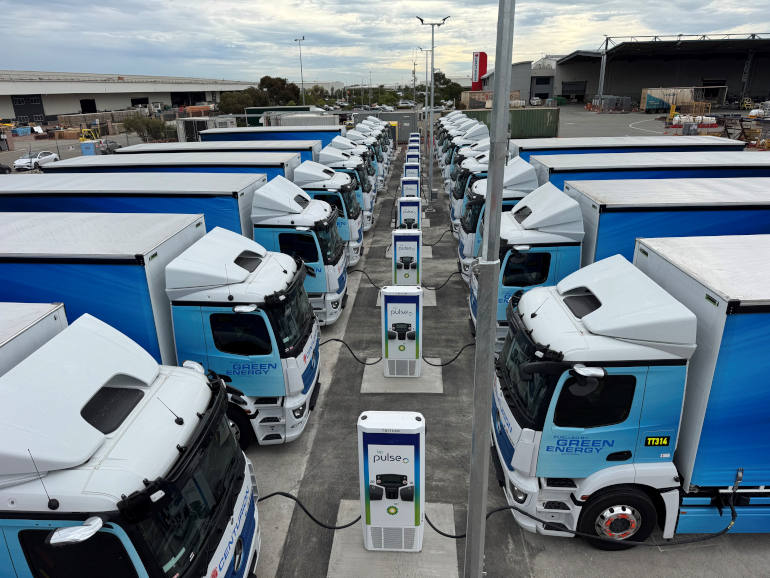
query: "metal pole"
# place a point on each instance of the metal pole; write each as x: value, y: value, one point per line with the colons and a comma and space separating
x: 431, y: 160
x: 301, y: 73
x: 602, y: 70
x: 488, y: 273
x: 370, y: 88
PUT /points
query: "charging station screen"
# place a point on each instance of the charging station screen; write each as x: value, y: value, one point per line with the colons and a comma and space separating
x: 411, y: 171
x: 406, y: 259
x: 402, y: 327
x: 392, y: 470
x: 409, y: 190
x: 409, y: 215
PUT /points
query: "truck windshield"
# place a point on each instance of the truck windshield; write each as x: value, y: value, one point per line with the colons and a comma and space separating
x: 351, y: 203
x: 363, y: 180
x: 528, y: 394
x: 188, y: 515
x: 470, y: 218
x: 292, y: 319
x: 332, y: 245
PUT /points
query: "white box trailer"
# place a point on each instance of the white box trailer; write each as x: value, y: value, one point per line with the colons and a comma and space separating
x: 26, y: 326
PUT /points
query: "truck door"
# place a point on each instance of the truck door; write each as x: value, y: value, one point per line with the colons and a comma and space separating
x: 106, y: 553
x: 335, y: 200
x: 590, y: 427
x: 303, y: 245
x: 522, y: 270
x: 242, y: 347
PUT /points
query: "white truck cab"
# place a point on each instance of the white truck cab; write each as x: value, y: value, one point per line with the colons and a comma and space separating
x: 360, y: 170
x: 287, y: 220
x: 134, y: 472
x: 337, y: 189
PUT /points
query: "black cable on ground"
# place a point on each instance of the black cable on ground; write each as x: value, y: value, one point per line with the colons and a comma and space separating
x: 429, y: 288
x: 365, y: 274
x: 463, y: 348
x: 351, y: 351
x: 730, y: 503
x: 439, y: 239
x: 304, y: 509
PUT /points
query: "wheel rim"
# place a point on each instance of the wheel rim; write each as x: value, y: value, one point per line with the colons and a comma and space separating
x: 618, y: 522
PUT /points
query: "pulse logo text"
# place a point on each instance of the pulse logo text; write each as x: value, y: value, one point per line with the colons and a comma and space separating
x: 389, y: 458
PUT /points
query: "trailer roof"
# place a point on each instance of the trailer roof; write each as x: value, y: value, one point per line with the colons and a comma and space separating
x: 319, y: 128
x: 533, y: 144
x: 178, y: 159
x: 226, y: 184
x: 16, y: 317
x: 705, y: 192
x: 734, y: 267
x: 608, y: 161
x: 222, y: 145
x: 121, y: 236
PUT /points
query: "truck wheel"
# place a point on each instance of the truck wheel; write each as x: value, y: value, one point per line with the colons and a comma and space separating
x: 620, y: 517
x: 241, y: 426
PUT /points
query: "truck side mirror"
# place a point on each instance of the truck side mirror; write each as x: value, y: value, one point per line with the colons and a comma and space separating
x: 310, y: 270
x: 76, y: 534
x: 587, y: 379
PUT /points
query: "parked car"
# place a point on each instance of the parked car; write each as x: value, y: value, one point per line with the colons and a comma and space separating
x: 5, y: 169
x: 34, y: 160
x: 108, y: 146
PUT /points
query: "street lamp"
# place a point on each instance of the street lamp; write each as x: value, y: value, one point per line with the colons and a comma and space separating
x: 432, y: 96
x: 301, y: 74
x: 426, y: 50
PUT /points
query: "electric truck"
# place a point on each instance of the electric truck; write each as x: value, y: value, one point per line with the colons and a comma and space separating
x: 308, y: 149
x: 286, y: 219
x: 323, y: 133
x: 358, y: 170
x: 337, y: 189
x: 526, y: 147
x: 113, y: 465
x: 518, y: 181
x: 224, y: 199
x: 268, y: 164
x: 218, y: 299
x: 518, y: 175
x: 558, y: 169
x: 551, y: 233
x: 629, y: 398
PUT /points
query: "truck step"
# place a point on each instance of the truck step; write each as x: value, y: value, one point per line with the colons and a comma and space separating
x: 555, y: 505
x: 560, y: 483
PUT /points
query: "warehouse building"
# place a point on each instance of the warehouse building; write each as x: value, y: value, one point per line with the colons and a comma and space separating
x: 741, y: 63
x: 32, y: 96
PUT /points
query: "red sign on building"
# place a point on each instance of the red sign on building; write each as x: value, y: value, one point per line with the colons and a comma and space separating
x: 479, y: 69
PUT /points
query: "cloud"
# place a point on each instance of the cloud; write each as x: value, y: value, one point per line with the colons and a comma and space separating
x: 246, y: 39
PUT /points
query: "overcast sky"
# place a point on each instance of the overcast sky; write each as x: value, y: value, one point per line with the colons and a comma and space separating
x: 344, y: 40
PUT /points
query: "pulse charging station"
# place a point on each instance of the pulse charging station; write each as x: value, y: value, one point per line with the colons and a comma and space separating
x: 412, y: 170
x: 409, y: 213
x: 413, y: 156
x: 410, y: 186
x: 391, y: 467
x: 406, y: 256
x: 401, y: 314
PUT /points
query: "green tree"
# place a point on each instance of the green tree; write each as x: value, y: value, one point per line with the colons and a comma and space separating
x: 147, y: 128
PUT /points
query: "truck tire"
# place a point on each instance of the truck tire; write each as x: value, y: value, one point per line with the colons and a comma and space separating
x: 241, y: 426
x: 625, y: 515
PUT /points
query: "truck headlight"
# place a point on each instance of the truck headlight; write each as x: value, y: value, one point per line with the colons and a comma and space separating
x: 465, y: 267
x: 519, y: 496
x: 300, y: 411
x: 335, y: 304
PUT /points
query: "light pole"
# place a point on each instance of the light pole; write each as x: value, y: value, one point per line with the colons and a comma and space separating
x: 488, y: 271
x: 426, y: 50
x: 432, y: 97
x: 301, y: 74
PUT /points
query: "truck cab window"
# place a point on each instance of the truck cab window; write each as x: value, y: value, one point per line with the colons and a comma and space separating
x: 99, y: 556
x: 608, y: 404
x: 299, y: 245
x: 333, y: 200
x: 240, y: 334
x: 526, y: 269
